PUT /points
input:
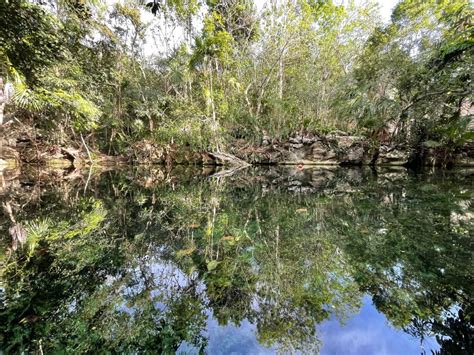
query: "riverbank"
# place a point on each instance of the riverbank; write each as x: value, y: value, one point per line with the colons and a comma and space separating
x: 18, y: 147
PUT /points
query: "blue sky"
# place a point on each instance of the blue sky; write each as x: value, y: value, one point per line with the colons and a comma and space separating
x: 366, y: 333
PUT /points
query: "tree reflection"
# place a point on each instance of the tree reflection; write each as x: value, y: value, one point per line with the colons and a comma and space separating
x: 410, y: 242
x: 135, y: 268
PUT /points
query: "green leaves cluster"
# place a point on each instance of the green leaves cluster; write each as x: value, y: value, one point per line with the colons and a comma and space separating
x: 225, y: 70
x: 415, y: 73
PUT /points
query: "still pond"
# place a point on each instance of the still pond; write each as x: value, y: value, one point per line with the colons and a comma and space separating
x: 321, y: 260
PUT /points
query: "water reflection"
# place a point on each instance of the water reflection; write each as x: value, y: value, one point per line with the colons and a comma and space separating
x: 274, y: 260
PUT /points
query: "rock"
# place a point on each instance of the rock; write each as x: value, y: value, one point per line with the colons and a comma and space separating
x: 352, y: 150
x: 354, y: 156
x: 393, y: 155
x: 296, y: 145
x: 9, y: 157
x: 227, y: 159
x: 146, y: 152
x: 309, y: 140
x: 345, y: 142
x: 296, y: 140
x: 266, y: 140
x: 294, y: 153
x: 323, y: 154
x: 337, y: 148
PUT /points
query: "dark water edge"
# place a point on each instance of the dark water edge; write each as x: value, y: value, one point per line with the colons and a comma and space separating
x: 261, y: 260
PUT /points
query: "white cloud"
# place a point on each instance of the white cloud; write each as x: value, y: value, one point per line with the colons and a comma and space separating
x: 386, y: 7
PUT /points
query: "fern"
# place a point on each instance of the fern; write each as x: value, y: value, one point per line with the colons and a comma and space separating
x: 24, y: 97
x: 37, y: 231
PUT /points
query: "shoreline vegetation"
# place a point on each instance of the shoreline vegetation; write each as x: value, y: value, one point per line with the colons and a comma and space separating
x: 339, y: 149
x: 86, y: 82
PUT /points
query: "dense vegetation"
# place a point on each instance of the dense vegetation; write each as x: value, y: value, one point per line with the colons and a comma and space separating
x: 205, y: 73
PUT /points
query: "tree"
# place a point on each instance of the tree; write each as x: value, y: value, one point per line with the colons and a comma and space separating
x: 415, y: 73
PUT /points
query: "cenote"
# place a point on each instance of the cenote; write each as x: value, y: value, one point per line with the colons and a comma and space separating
x: 262, y: 260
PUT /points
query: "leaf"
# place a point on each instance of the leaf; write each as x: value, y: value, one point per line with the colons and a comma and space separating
x: 211, y: 265
x: 302, y: 210
x: 228, y: 238
x: 432, y: 144
x: 192, y: 269
x: 185, y: 252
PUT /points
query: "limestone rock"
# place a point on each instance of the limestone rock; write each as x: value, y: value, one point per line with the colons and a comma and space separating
x: 296, y: 145
x: 296, y: 140
x: 323, y: 154
x: 352, y: 150
x: 393, y: 155
x: 146, y: 152
x: 309, y: 140
x: 266, y: 140
x: 354, y: 155
x: 345, y: 142
x: 8, y: 152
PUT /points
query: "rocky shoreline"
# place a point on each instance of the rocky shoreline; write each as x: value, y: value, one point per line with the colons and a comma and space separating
x: 343, y: 149
x: 335, y: 149
x: 332, y: 149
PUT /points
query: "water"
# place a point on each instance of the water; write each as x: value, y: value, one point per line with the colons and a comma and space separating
x: 330, y: 261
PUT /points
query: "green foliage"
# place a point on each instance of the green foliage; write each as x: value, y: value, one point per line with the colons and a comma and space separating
x: 229, y: 72
x: 416, y: 72
x: 30, y: 39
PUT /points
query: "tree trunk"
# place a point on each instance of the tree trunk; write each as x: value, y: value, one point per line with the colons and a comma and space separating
x: 280, y: 78
x: 2, y: 108
x: 3, y: 99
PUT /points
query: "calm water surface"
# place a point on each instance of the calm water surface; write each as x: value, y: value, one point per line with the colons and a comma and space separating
x: 262, y: 261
